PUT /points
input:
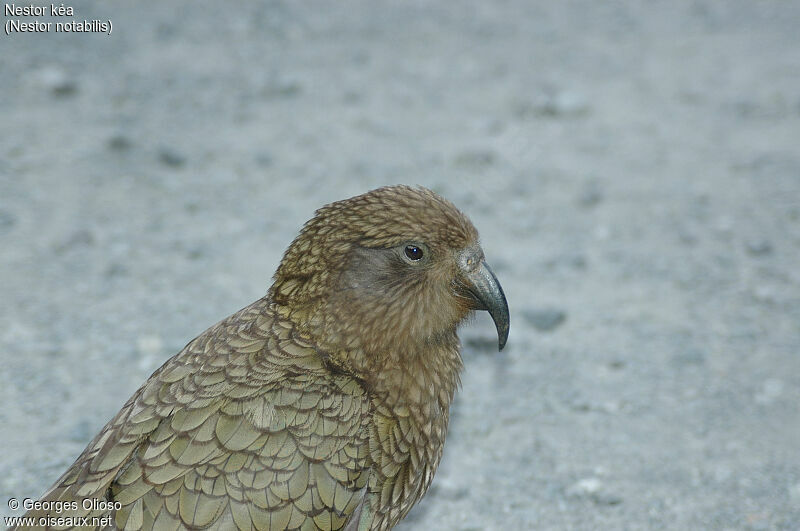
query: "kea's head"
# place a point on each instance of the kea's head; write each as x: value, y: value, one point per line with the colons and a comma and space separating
x: 395, y: 269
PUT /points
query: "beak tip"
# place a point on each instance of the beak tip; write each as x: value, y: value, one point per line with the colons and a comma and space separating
x: 502, y: 338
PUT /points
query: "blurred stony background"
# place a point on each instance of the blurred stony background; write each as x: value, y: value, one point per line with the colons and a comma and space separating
x: 633, y: 167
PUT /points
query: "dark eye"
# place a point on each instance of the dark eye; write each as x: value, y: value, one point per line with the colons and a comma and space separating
x: 413, y: 252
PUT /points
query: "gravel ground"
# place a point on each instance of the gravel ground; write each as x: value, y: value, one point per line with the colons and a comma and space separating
x: 633, y: 168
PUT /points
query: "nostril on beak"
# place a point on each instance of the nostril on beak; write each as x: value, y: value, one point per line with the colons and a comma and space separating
x: 470, y: 259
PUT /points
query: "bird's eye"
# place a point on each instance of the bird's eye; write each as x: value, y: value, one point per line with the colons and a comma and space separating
x: 413, y: 253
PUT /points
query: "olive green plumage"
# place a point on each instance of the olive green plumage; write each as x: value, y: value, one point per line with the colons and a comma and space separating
x: 323, y: 405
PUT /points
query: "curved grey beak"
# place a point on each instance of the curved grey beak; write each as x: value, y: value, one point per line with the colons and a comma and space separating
x: 489, y: 296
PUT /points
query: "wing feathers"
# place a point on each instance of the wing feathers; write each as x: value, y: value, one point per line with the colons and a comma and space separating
x: 245, y: 427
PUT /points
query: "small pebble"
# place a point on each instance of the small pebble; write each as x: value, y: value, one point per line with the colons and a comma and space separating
x: 119, y: 142
x: 169, y: 157
x: 586, y: 486
x: 764, y: 294
x: 558, y: 104
x: 617, y: 364
x: 481, y: 343
x: 759, y: 248
x: 610, y: 407
x: 116, y: 269
x: 544, y: 319
x: 195, y: 252
x: 569, y: 103
x: 57, y: 81
x: 79, y: 238
x: 593, y: 489
x: 264, y: 159
x: 283, y: 90
x: 591, y: 195
x: 7, y: 220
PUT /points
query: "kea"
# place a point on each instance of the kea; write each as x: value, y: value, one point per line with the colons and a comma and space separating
x: 322, y: 405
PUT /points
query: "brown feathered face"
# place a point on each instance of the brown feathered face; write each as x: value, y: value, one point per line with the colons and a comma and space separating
x: 395, y: 269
